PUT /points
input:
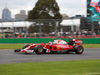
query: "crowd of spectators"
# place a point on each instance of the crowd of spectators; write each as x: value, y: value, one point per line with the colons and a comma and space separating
x: 77, y: 34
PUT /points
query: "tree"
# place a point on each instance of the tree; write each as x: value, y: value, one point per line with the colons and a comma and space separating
x: 45, y: 9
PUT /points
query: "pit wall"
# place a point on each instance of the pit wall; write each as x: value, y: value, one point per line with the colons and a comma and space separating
x: 44, y: 40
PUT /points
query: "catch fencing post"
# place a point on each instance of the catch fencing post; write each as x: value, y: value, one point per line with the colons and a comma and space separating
x: 2, y: 31
x: 56, y: 31
x: 72, y: 28
x: 92, y: 30
x: 40, y: 28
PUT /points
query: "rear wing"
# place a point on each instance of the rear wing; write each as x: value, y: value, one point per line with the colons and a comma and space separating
x: 78, y: 41
x: 75, y: 41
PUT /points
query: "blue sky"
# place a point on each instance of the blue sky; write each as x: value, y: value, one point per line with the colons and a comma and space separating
x: 69, y: 7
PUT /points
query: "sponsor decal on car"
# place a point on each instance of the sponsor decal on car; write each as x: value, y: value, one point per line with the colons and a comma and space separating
x: 58, y: 47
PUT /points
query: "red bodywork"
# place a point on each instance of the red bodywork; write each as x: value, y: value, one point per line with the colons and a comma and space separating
x: 53, y: 47
x: 58, y: 47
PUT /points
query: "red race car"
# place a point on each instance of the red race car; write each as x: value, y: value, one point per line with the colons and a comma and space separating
x: 57, y: 46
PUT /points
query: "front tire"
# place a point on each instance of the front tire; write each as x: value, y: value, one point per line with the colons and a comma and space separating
x: 79, y: 49
x: 39, y: 49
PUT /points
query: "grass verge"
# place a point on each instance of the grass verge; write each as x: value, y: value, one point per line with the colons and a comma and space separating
x: 91, y: 45
x: 19, y: 46
x: 11, y: 46
x: 76, y: 67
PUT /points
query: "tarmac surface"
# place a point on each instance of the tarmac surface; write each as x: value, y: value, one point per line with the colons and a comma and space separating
x: 8, y: 56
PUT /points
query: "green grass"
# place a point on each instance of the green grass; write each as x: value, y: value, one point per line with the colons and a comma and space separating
x: 19, y: 46
x: 77, y: 67
x: 11, y: 46
x: 91, y: 45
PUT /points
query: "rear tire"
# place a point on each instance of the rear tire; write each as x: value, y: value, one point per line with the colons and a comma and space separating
x: 39, y: 49
x: 79, y: 49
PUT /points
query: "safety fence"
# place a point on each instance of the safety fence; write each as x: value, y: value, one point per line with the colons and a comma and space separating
x: 53, y: 36
x: 45, y: 40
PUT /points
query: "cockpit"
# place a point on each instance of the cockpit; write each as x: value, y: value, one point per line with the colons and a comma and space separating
x: 59, y: 42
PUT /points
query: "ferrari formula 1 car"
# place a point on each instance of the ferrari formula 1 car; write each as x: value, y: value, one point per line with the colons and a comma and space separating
x: 74, y: 45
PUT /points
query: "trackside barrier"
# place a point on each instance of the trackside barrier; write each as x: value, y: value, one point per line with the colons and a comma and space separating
x: 44, y: 40
x: 89, y: 40
x: 24, y: 40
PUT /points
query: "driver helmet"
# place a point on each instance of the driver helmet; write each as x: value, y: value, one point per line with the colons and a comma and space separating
x: 50, y: 42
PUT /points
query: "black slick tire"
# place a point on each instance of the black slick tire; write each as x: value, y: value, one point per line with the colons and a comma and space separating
x: 39, y: 49
x: 79, y: 49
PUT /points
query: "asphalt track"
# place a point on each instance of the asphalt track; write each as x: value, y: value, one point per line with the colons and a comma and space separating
x: 8, y: 56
